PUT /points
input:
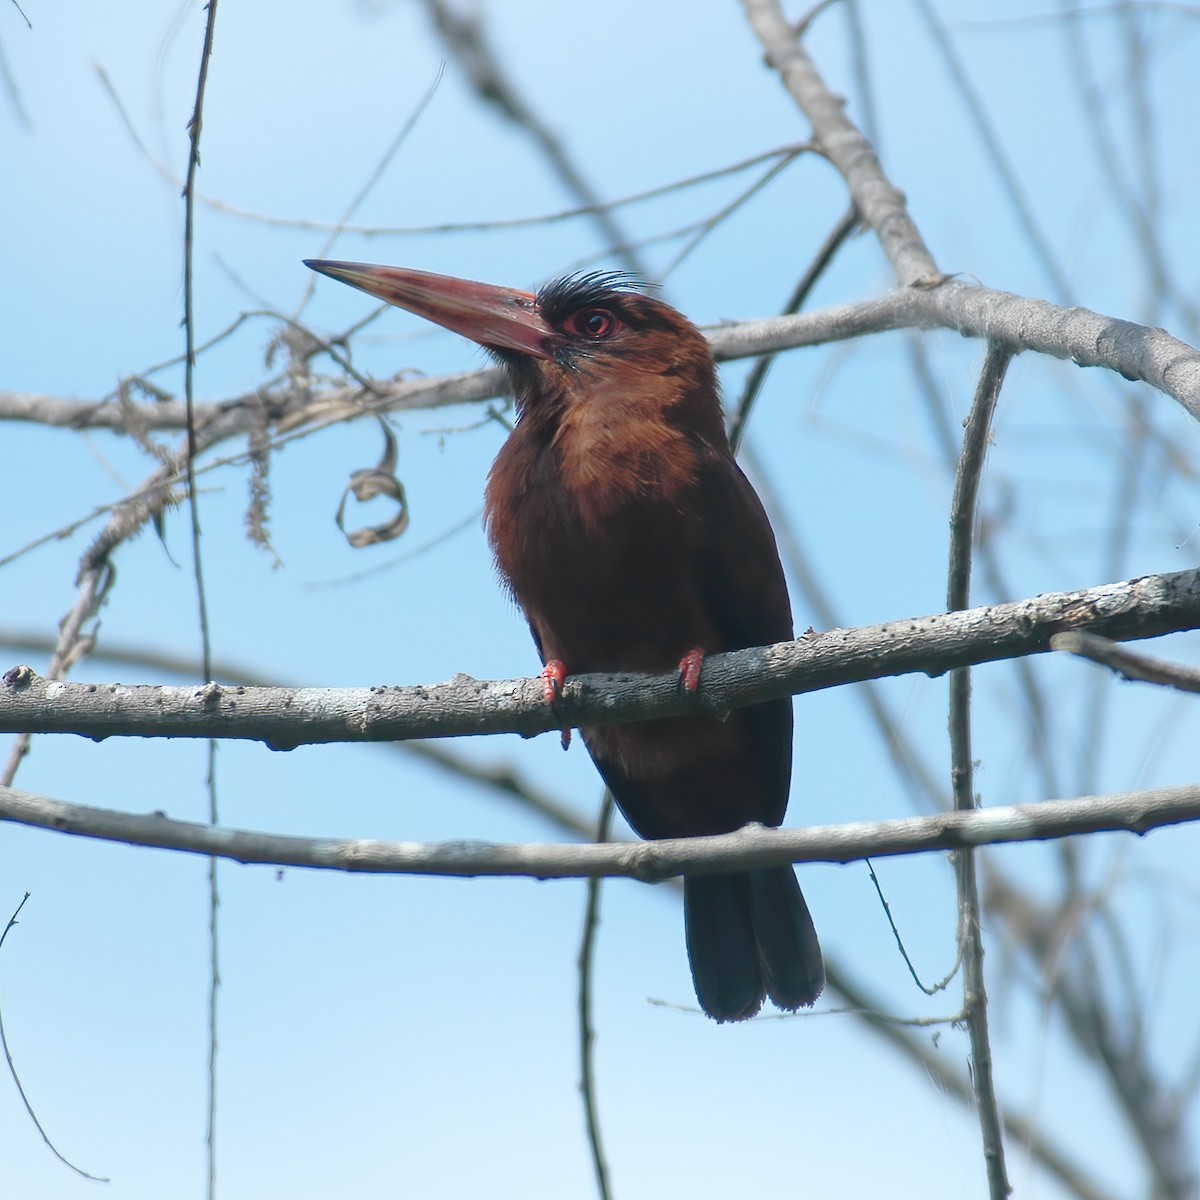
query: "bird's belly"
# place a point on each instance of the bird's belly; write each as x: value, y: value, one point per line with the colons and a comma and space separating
x: 621, y: 604
x: 685, y: 776
x: 631, y: 594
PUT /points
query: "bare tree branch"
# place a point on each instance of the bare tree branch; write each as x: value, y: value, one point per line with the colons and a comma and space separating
x: 287, y: 717
x: 504, y: 780
x: 881, y: 205
x: 651, y: 862
x: 500, y: 777
x: 1087, y: 338
x: 970, y: 935
x: 1127, y: 664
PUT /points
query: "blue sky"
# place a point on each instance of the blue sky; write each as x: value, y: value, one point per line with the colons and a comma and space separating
x: 405, y: 1036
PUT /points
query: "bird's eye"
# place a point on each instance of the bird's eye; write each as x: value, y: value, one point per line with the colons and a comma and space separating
x: 594, y: 323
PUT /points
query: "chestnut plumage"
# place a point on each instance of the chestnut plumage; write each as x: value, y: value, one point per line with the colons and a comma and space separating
x: 633, y: 542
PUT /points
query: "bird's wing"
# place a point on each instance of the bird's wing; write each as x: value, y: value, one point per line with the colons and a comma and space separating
x: 745, y: 593
x: 738, y: 568
x: 700, y: 774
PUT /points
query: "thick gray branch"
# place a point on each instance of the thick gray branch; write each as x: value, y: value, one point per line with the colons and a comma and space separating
x: 754, y: 846
x: 1084, y: 337
x: 880, y: 204
x: 286, y: 717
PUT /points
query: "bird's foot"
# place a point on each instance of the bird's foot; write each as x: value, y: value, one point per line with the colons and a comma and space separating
x: 554, y: 676
x: 690, y: 666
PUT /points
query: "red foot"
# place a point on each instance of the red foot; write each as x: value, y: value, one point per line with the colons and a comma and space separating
x: 690, y: 666
x: 554, y: 675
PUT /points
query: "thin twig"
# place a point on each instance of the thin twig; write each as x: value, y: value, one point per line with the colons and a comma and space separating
x: 962, y: 528
x: 881, y: 206
x: 1127, y: 664
x: 465, y: 38
x: 372, y: 179
x: 189, y: 361
x: 1151, y: 1107
x: 930, y: 989
x: 862, y: 72
x: 990, y: 140
x: 803, y: 289
x: 1148, y: 217
x: 95, y: 579
x: 587, y: 949
x: 1037, y: 710
x: 1024, y: 1131
x: 9, y: 83
x: 706, y: 227
x: 310, y: 225
x: 12, y: 1070
x: 195, y: 125
x: 431, y: 543
x: 1123, y: 173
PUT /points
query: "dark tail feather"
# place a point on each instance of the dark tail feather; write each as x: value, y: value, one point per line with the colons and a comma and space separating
x: 718, y: 919
x: 750, y: 935
x: 789, y: 952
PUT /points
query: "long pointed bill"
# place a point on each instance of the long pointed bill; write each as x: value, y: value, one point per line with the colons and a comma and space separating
x: 500, y: 318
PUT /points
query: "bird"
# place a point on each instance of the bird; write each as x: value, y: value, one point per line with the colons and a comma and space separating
x: 622, y: 525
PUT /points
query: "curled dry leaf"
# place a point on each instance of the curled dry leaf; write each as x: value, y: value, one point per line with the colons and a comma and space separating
x: 370, y: 483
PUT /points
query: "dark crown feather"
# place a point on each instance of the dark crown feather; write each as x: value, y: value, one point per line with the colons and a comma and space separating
x: 561, y: 297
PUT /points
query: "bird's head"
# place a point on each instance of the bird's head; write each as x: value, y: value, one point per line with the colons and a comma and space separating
x: 592, y: 339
